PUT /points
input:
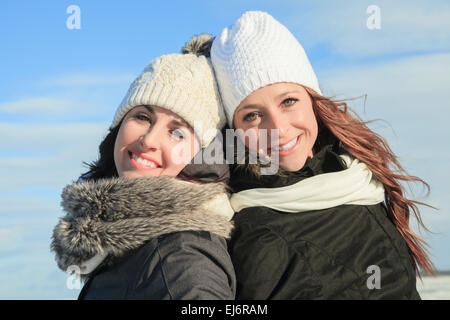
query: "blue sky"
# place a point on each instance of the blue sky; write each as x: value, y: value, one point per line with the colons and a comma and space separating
x: 59, y: 90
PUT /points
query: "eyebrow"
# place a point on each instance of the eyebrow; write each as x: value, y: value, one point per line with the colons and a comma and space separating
x: 176, y: 122
x: 250, y: 106
x: 287, y: 93
x: 149, y: 109
x: 181, y: 123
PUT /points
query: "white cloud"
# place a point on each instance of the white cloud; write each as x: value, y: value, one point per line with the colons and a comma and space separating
x: 410, y: 94
x: 434, y: 288
x: 37, y: 105
x: 9, y: 237
x: 67, y: 106
x: 28, y: 138
x: 406, y: 26
x: 78, y: 95
x: 46, y: 155
x: 88, y: 79
x: 409, y: 86
x: 31, y: 273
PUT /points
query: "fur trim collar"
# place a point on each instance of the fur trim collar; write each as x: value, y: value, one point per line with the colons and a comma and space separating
x: 113, y: 216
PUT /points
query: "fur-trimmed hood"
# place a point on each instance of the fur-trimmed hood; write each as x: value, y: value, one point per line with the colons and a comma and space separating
x: 112, y: 216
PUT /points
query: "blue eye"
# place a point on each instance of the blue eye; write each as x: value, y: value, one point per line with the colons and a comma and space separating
x: 178, y: 135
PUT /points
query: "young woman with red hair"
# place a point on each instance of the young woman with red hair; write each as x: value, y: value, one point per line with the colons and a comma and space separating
x: 333, y: 222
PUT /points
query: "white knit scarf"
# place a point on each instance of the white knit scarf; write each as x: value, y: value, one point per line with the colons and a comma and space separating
x: 354, y: 185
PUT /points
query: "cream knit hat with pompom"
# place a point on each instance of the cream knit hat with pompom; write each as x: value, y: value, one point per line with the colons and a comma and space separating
x: 184, y: 84
x: 254, y: 52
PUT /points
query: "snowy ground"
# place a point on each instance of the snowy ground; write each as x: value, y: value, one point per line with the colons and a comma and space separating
x: 434, y: 288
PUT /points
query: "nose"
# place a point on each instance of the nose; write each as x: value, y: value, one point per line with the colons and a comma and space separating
x: 275, y: 119
x: 151, y: 139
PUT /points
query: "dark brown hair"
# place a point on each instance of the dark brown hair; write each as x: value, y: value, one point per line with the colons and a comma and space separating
x: 104, y: 166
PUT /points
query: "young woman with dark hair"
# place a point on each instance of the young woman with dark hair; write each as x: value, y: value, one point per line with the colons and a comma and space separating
x: 144, y: 223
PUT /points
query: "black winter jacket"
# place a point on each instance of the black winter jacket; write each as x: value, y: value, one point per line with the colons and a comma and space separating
x: 322, y: 254
x: 163, y: 239
x: 187, y: 265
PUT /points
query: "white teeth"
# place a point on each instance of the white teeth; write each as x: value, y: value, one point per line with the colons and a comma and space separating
x: 144, y: 161
x: 288, y: 145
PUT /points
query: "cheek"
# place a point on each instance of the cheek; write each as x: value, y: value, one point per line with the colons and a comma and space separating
x: 173, y: 167
x: 249, y: 137
x: 118, y: 146
x: 177, y: 157
x: 314, y: 127
x: 306, y: 121
x: 126, y: 135
x: 311, y: 124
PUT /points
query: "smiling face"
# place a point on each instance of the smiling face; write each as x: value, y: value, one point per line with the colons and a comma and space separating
x: 287, y: 107
x: 153, y: 141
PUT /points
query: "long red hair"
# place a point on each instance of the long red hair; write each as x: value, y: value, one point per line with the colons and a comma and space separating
x: 367, y: 146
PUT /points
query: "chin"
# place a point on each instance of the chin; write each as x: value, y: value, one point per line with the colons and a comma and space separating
x: 291, y: 168
x: 136, y: 174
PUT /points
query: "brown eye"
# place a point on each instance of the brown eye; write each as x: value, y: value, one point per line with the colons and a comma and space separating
x: 142, y: 117
x: 252, y: 116
x: 289, y: 102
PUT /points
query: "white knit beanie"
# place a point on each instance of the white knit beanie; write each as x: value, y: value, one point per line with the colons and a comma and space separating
x: 184, y: 84
x: 254, y: 52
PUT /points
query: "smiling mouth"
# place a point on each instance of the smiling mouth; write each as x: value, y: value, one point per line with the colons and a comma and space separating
x: 141, y: 163
x: 288, y: 147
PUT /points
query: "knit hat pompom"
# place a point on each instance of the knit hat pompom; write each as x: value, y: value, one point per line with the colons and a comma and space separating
x: 200, y: 45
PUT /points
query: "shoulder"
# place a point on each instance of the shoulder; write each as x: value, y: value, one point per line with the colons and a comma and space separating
x: 335, y: 231
x: 179, y: 265
x: 318, y: 244
x: 266, y: 218
x: 190, y: 248
x: 196, y: 265
x: 191, y: 238
x: 116, y: 279
x: 338, y: 231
